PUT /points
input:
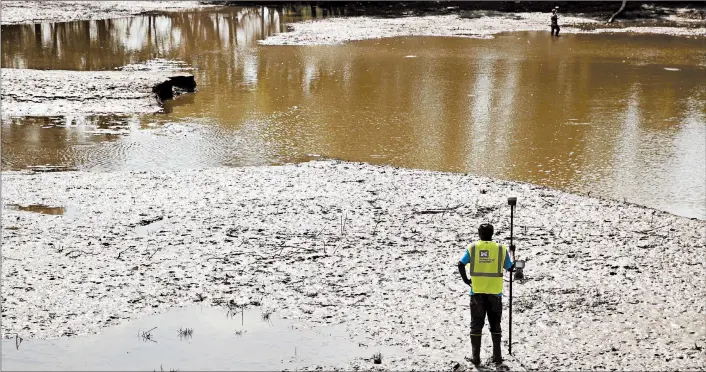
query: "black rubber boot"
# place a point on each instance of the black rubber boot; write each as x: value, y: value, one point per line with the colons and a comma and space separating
x: 475, y: 344
x: 497, y: 353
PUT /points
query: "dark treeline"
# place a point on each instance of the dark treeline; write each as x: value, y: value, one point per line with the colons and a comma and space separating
x: 599, y: 9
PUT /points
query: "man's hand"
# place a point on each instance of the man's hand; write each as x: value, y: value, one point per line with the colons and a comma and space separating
x: 512, y: 249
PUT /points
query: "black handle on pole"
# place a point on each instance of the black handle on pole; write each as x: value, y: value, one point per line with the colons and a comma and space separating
x: 512, y: 201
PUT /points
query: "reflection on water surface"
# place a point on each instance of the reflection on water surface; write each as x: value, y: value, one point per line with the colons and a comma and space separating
x: 618, y: 115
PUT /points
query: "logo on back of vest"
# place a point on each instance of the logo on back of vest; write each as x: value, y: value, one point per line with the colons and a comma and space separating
x: 484, y: 256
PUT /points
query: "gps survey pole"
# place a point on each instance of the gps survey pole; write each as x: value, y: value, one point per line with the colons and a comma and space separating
x: 512, y: 201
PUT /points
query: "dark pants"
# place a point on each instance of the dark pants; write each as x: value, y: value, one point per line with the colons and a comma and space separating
x: 482, y: 304
x: 555, y: 27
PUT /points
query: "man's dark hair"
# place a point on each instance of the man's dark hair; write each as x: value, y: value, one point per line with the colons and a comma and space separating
x: 485, y: 231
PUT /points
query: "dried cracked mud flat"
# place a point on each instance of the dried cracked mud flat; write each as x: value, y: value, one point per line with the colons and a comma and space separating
x: 609, y: 285
x: 476, y: 24
x: 135, y: 89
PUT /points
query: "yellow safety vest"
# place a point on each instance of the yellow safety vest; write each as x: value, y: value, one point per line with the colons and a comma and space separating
x: 486, y: 266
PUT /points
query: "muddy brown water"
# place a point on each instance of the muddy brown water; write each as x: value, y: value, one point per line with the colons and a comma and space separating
x: 38, y: 208
x: 617, y: 115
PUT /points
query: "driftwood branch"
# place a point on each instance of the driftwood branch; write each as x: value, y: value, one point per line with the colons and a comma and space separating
x: 123, y: 251
x: 618, y: 12
x: 439, y: 210
x: 77, y: 252
x: 155, y: 252
x: 652, y: 229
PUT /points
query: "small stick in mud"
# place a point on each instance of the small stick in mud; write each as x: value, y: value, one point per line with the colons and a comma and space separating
x: 77, y: 252
x: 335, y: 249
x: 377, y: 222
x: 123, y: 251
x: 344, y: 218
x: 155, y: 252
x: 438, y: 210
x: 652, y: 229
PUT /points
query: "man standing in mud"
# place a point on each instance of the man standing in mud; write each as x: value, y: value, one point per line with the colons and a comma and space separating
x: 555, y: 21
x: 485, y: 259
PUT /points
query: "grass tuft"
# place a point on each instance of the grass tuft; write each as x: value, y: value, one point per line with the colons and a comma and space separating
x: 147, y: 335
x: 185, y: 333
x: 266, y: 315
x: 377, y: 358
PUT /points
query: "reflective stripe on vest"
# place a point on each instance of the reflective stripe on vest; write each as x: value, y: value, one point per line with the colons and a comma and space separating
x: 486, y: 268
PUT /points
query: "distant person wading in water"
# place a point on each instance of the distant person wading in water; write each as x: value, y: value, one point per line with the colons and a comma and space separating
x: 486, y: 260
x: 555, y: 22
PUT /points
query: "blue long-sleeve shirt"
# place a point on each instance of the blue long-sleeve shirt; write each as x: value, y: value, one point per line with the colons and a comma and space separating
x: 466, y: 259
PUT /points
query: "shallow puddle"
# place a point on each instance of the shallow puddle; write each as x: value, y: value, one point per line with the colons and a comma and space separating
x: 150, y: 226
x: 39, y: 208
x: 219, y: 340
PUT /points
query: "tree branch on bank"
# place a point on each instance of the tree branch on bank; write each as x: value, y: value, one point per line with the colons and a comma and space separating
x: 618, y: 12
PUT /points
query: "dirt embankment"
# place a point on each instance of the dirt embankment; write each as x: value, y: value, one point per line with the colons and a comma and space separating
x: 55, y: 92
x: 609, y: 284
x: 20, y: 12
